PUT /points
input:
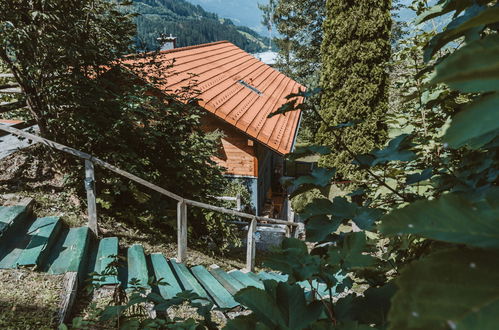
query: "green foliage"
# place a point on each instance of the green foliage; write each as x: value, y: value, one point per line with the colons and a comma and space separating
x: 455, y: 218
x: 279, y: 306
x: 450, y: 289
x: 78, y: 100
x: 429, y: 262
x: 355, y: 52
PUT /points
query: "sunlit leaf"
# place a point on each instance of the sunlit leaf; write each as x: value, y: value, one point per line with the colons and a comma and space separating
x: 476, y: 120
x: 418, y: 177
x: 303, y: 151
x: 474, y: 16
x: 350, y: 253
x: 472, y: 68
x: 448, y: 290
x: 452, y: 218
x: 398, y: 149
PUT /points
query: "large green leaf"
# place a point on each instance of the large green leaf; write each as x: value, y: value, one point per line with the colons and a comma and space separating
x: 370, y: 308
x: 418, y: 177
x: 304, y: 151
x: 451, y: 218
x: 453, y: 289
x: 318, y: 228
x: 398, y: 149
x: 472, y: 68
x: 477, y: 120
x: 318, y: 206
x: 341, y: 209
x: 319, y: 177
x: 474, y: 16
x: 280, y: 306
x: 293, y: 259
x: 350, y: 254
x: 446, y: 6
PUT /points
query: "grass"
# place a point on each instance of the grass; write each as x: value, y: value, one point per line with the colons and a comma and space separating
x: 28, y: 300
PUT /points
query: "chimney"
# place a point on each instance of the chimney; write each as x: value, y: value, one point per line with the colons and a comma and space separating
x: 167, y: 42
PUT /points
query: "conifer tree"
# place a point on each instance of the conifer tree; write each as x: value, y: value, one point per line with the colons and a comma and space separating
x: 355, y: 52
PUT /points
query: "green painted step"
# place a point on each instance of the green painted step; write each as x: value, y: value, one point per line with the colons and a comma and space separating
x: 253, y: 276
x: 230, y: 283
x: 137, y: 267
x: 278, y: 277
x: 266, y: 276
x: 70, y: 252
x: 188, y: 281
x: 162, y: 270
x: 220, y: 295
x: 108, y: 249
x: 245, y: 279
x: 11, y: 214
x: 43, y: 234
x: 14, y: 236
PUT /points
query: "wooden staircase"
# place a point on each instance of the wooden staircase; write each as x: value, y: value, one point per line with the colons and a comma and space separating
x: 47, y: 245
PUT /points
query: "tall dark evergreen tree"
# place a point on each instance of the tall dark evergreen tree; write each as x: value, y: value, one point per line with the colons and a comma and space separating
x: 355, y: 53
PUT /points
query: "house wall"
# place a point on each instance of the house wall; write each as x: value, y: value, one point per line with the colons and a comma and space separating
x: 237, y: 153
x: 245, y: 160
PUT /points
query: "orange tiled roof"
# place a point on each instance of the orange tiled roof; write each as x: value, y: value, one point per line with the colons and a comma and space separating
x: 237, y: 88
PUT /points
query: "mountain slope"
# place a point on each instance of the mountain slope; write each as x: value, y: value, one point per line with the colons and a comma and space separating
x: 242, y: 12
x: 191, y: 24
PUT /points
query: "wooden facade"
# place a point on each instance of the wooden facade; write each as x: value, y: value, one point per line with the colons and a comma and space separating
x: 237, y: 153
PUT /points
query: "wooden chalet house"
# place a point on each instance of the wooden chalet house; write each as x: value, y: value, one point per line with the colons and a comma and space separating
x: 238, y: 92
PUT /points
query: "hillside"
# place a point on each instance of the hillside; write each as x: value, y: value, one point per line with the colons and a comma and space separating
x: 191, y: 24
x: 242, y: 12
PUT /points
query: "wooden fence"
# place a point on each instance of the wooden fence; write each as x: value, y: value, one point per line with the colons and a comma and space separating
x: 182, y: 203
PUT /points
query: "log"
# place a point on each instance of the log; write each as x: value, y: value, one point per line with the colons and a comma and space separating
x: 68, y: 296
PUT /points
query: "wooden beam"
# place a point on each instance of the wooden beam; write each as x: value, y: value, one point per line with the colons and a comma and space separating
x: 23, y: 125
x: 91, y: 204
x: 238, y: 214
x: 251, y: 246
x: 136, y: 179
x: 12, y: 106
x: 182, y: 231
x: 70, y: 283
x: 11, y: 91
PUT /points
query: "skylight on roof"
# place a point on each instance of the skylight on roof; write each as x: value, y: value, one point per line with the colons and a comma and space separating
x: 247, y: 85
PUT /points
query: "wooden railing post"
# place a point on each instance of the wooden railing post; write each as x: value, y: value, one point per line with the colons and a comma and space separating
x: 182, y: 231
x: 251, y: 246
x: 91, y: 204
x: 238, y: 203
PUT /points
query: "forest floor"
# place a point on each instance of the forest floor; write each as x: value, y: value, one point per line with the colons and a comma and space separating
x: 29, y: 300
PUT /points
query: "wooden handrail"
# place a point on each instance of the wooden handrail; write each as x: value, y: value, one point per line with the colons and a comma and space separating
x: 181, y: 202
x: 135, y: 178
